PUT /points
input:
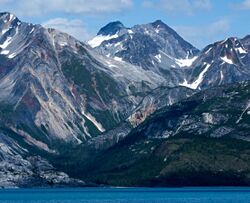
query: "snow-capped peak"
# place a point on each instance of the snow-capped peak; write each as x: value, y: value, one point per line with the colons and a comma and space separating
x: 111, y: 28
x: 7, y: 21
x: 158, y: 24
x: 7, y: 17
x: 99, y: 39
x: 108, y: 32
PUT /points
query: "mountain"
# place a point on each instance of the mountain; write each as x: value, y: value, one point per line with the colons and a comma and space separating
x: 203, y: 140
x: 215, y: 112
x: 54, y: 89
x: 220, y: 63
x: 57, y: 92
x: 157, y: 47
x: 67, y: 107
x: 155, y: 100
x: 44, y: 72
x: 23, y: 168
x: 154, y: 46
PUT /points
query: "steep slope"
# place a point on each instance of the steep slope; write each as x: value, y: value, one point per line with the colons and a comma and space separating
x: 55, y: 91
x: 220, y: 63
x: 198, y: 141
x: 154, y: 46
x: 53, y: 86
x: 155, y: 100
x: 22, y: 168
x: 65, y: 103
x: 216, y: 112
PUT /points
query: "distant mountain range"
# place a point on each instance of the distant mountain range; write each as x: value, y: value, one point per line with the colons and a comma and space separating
x: 78, y: 114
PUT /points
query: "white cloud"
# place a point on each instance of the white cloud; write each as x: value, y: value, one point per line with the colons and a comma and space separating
x: 74, y: 27
x: 202, y: 35
x: 41, y: 7
x: 243, y: 5
x: 179, y: 6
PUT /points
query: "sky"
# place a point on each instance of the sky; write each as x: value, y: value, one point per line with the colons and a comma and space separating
x: 201, y: 22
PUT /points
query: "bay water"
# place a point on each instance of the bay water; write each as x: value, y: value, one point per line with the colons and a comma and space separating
x: 127, y: 195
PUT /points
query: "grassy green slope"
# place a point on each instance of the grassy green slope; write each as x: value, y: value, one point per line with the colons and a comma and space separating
x: 182, y: 161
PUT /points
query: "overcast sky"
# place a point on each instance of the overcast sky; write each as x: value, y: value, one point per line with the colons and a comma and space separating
x: 198, y: 21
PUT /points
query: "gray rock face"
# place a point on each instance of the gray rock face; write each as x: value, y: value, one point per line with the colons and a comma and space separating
x: 57, y: 88
x: 216, y: 112
x: 111, y: 28
x: 220, y: 63
x: 18, y: 168
x: 155, y: 100
x: 153, y: 46
x: 159, y: 48
x: 158, y: 99
x: 57, y: 91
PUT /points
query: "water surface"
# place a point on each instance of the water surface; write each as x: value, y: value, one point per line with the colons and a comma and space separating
x: 127, y: 195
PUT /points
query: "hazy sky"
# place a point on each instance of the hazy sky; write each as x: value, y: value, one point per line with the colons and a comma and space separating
x: 199, y: 21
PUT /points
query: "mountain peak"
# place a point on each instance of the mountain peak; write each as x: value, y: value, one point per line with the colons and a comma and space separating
x: 158, y: 23
x: 111, y: 28
x: 7, y: 17
x: 231, y: 40
x: 231, y: 43
x: 246, y: 37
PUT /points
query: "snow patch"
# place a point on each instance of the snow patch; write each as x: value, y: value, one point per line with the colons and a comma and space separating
x: 158, y: 57
x: 118, y: 44
x: 12, y: 17
x: 130, y: 32
x: 12, y: 55
x: 186, y: 62
x: 241, y: 50
x: 32, y: 30
x: 63, y: 44
x: 6, y: 43
x: 5, y: 30
x: 5, y: 52
x: 227, y: 60
x: 118, y: 59
x: 98, y: 40
x: 157, y: 30
x: 198, y: 81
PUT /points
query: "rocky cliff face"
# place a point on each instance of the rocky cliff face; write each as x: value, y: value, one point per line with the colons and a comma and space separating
x: 53, y: 85
x: 200, y: 141
x: 58, y: 95
x: 21, y: 166
x: 55, y: 89
x: 216, y: 112
x: 220, y: 63
x: 153, y: 46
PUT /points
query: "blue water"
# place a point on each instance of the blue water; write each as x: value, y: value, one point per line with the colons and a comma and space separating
x: 124, y: 195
